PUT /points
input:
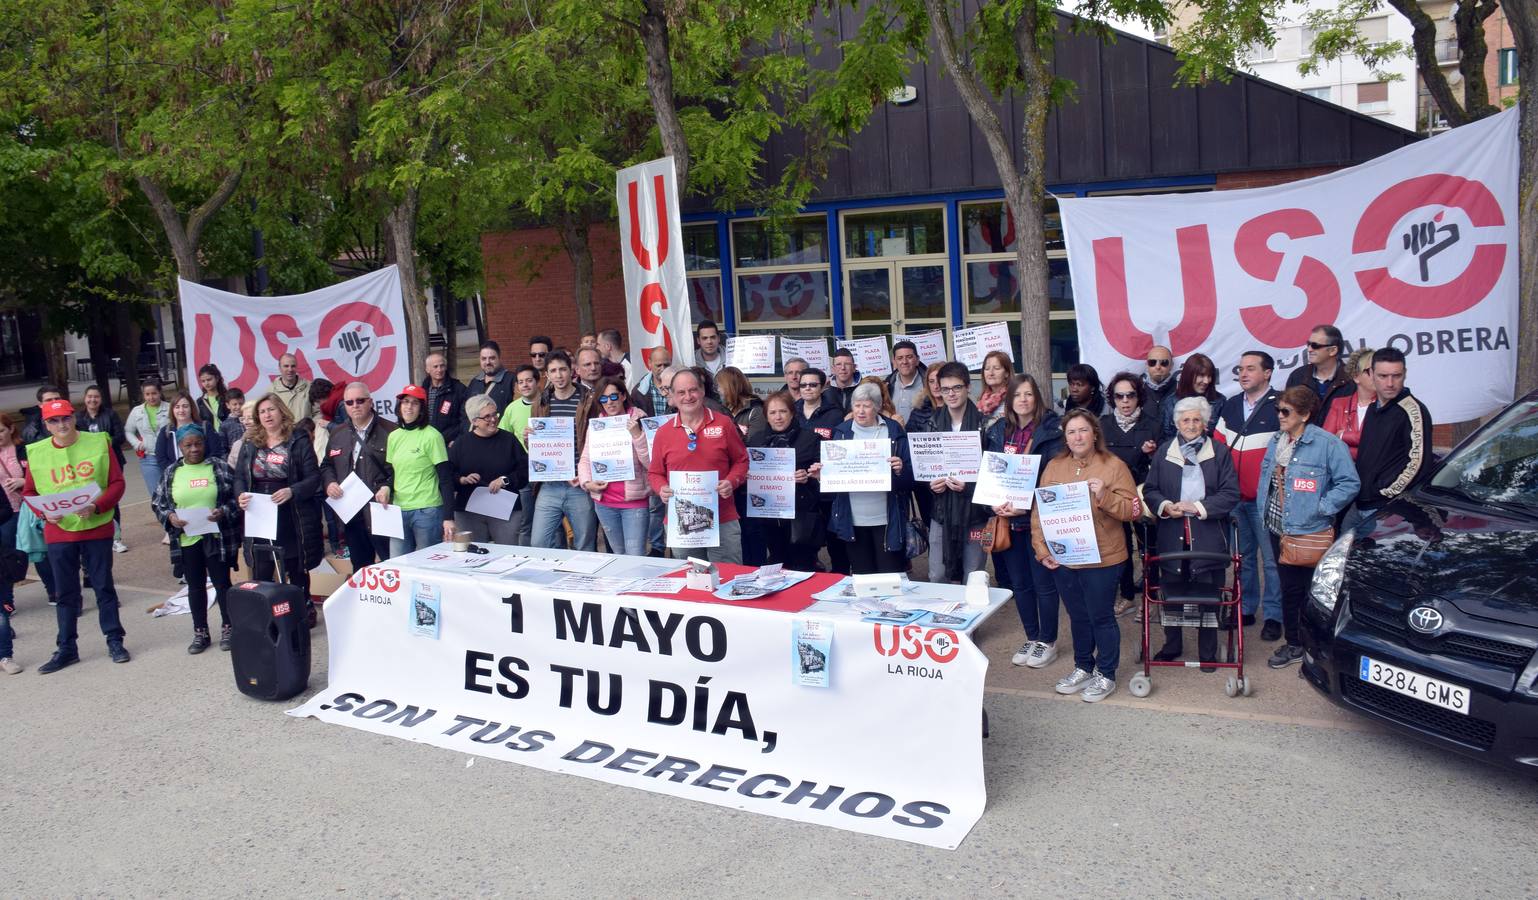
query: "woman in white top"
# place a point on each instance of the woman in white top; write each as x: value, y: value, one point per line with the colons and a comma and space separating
x: 143, y: 424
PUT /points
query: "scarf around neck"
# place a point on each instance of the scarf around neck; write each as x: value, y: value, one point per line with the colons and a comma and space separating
x: 1125, y: 423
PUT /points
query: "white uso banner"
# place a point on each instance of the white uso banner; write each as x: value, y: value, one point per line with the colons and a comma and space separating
x: 353, y: 331
x: 689, y: 699
x: 1415, y: 250
x: 651, y: 239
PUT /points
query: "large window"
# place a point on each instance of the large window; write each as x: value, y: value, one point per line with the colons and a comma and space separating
x: 991, y: 284
x: 702, y: 260
x: 782, y: 275
x: 1372, y: 97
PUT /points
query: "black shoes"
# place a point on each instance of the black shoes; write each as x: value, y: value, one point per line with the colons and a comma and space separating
x: 118, y: 652
x: 57, y: 662
x: 1271, y: 631
x: 200, y: 641
x: 1285, y: 655
x: 1249, y: 619
x: 1169, y: 653
x: 224, y: 638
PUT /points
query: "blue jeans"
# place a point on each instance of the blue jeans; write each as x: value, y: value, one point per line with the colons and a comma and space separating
x: 423, y: 527
x: 525, y: 516
x: 1358, y: 520
x: 1090, y: 596
x: 149, y: 467
x: 558, y: 500
x: 1034, y: 587
x: 656, y: 530
x: 1255, y: 544
x: 66, y: 558
x: 624, y: 529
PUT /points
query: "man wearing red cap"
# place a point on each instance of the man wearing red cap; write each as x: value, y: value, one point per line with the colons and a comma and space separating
x: 74, y: 481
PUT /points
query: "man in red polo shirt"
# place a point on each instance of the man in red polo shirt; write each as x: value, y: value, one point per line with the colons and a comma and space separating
x: 702, y: 440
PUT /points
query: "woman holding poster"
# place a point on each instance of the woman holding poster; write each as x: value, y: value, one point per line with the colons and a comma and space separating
x: 791, y: 542
x: 873, y: 524
x: 623, y: 506
x: 1029, y: 426
x: 1107, y: 498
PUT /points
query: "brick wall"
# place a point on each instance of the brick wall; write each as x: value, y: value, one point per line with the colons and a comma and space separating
x: 529, y: 287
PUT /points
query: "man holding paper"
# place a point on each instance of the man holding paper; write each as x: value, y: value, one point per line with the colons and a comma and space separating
x: 74, y: 482
x: 196, y: 505
x: 702, y: 440
x: 358, y: 449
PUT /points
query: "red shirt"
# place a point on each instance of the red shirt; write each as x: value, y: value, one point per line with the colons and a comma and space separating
x: 109, y: 497
x: 718, y: 447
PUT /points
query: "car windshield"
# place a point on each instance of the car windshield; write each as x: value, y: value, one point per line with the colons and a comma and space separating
x: 1501, y: 467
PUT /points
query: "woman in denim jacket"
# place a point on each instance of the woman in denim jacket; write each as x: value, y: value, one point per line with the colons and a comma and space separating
x: 1306, y: 478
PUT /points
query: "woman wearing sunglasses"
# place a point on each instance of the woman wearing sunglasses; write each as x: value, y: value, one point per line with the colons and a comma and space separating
x: 1131, y: 436
x: 623, y: 507
x: 487, y: 457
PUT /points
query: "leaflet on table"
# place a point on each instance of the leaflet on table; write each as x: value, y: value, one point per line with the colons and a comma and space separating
x: 355, y: 496
x: 813, y: 350
x: 593, y: 584
x: 751, y: 354
x: 752, y: 586
x: 641, y: 567
x: 552, y: 445
x: 896, y: 617
x: 693, y: 510
x: 812, y: 657
x: 584, y: 563
x: 1007, y: 478
x: 930, y: 345
x: 958, y: 621
x: 842, y: 591
x: 451, y: 560
x: 1068, y: 523
x: 870, y: 355
x: 608, y: 448
x: 655, y: 586
x: 863, y: 464
x: 771, y: 482
x: 974, y: 344
x: 649, y: 426
x: 945, y: 454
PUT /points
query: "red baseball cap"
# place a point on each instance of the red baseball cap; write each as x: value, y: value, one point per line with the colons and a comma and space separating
x: 53, y: 409
x: 413, y: 390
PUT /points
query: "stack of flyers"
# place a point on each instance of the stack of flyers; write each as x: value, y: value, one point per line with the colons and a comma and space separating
x: 960, y: 620
x: 759, y: 584
x: 896, y: 617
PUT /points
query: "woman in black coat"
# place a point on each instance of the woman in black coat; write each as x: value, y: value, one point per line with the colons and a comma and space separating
x: 279, y: 460
x: 1192, y: 486
x: 792, y: 542
x: 1132, y: 433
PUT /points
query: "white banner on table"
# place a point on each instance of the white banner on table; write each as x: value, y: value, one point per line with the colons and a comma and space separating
x: 694, y: 518
x: 651, y: 240
x: 355, y: 496
x: 771, y: 482
x: 507, y: 677
x: 351, y: 331
x: 1067, y: 519
x: 813, y: 350
x: 945, y: 454
x: 863, y: 464
x: 974, y: 344
x: 870, y: 355
x: 493, y: 505
x: 650, y: 426
x: 930, y: 345
x: 609, y: 452
x: 1415, y: 250
x: 1006, y: 478
x: 552, y: 447
x: 751, y: 354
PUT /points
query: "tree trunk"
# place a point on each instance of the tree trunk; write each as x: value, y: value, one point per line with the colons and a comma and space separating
x: 99, y: 345
x: 574, y: 237
x: 1522, y: 16
x: 1424, y: 41
x: 59, y: 370
x: 659, y: 87
x: 1469, y: 25
x: 185, y: 236
x: 129, y: 334
x: 401, y: 222
x: 450, y: 322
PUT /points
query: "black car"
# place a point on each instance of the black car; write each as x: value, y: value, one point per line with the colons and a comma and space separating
x: 1430, y: 622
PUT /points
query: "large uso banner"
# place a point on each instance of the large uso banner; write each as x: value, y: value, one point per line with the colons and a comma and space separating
x: 694, y: 700
x: 1415, y: 250
x: 353, y: 331
x: 651, y: 242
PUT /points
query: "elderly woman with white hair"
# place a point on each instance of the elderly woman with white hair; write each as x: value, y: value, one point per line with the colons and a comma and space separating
x: 873, y: 524
x: 1192, y: 488
x: 487, y: 457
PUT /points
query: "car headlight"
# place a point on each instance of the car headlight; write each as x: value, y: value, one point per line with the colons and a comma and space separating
x: 1331, y: 573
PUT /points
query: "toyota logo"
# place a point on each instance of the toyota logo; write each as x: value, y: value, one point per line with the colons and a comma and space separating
x: 1425, y: 620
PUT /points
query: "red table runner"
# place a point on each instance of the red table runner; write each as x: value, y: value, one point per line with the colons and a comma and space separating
x: 791, y: 600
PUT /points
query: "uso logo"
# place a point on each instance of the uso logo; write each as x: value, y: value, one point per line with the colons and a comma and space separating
x: 370, y: 578
x: 914, y: 641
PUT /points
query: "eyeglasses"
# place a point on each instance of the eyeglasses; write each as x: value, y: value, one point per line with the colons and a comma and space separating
x: 813, y: 385
x: 359, y: 401
x: 611, y: 398
x: 1313, y: 345
x: 1159, y: 363
x: 534, y: 355
x: 1126, y: 395
x: 952, y: 389
x: 57, y: 420
x: 1284, y: 412
x: 489, y: 417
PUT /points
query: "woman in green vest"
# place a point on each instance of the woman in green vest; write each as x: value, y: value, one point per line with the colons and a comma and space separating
x: 203, y: 488
x: 278, y: 460
x: 421, y: 477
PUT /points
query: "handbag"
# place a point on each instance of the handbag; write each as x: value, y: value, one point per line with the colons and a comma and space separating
x: 916, y: 539
x: 998, y: 538
x: 1305, y: 550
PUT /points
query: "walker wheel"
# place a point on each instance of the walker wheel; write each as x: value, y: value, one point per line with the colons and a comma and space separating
x: 1140, y: 685
x: 1246, y: 686
x: 1231, y: 686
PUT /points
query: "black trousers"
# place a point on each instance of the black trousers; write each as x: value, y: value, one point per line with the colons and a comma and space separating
x: 199, y: 566
x: 868, y: 554
x: 838, y: 550
x: 264, y: 568
x: 363, y: 548
x: 1295, y: 581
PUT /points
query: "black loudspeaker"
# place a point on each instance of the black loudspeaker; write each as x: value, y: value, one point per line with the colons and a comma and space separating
x: 269, y: 640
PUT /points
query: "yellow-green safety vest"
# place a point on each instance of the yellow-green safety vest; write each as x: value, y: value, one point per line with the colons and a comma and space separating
x: 58, y: 469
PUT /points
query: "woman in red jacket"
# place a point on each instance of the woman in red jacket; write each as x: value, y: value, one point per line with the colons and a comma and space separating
x: 1344, y: 420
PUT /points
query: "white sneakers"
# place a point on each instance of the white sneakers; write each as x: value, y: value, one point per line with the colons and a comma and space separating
x: 1022, y: 656
x: 1035, y: 654
x: 120, y: 547
x: 9, y: 666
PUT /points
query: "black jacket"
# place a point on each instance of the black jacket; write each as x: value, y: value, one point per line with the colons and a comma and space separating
x: 106, y: 422
x: 954, y: 509
x: 370, y: 465
x: 304, y: 507
x: 1209, y: 532
x: 501, y: 392
x: 1127, y: 446
x: 750, y: 421
x: 808, y: 451
x: 1337, y: 386
x: 447, y: 412
x: 1395, y: 451
x: 827, y: 416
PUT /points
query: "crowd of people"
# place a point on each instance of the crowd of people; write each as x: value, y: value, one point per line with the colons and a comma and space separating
x: 1169, y: 463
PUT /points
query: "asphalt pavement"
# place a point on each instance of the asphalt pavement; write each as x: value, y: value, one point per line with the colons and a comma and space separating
x: 157, y: 779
